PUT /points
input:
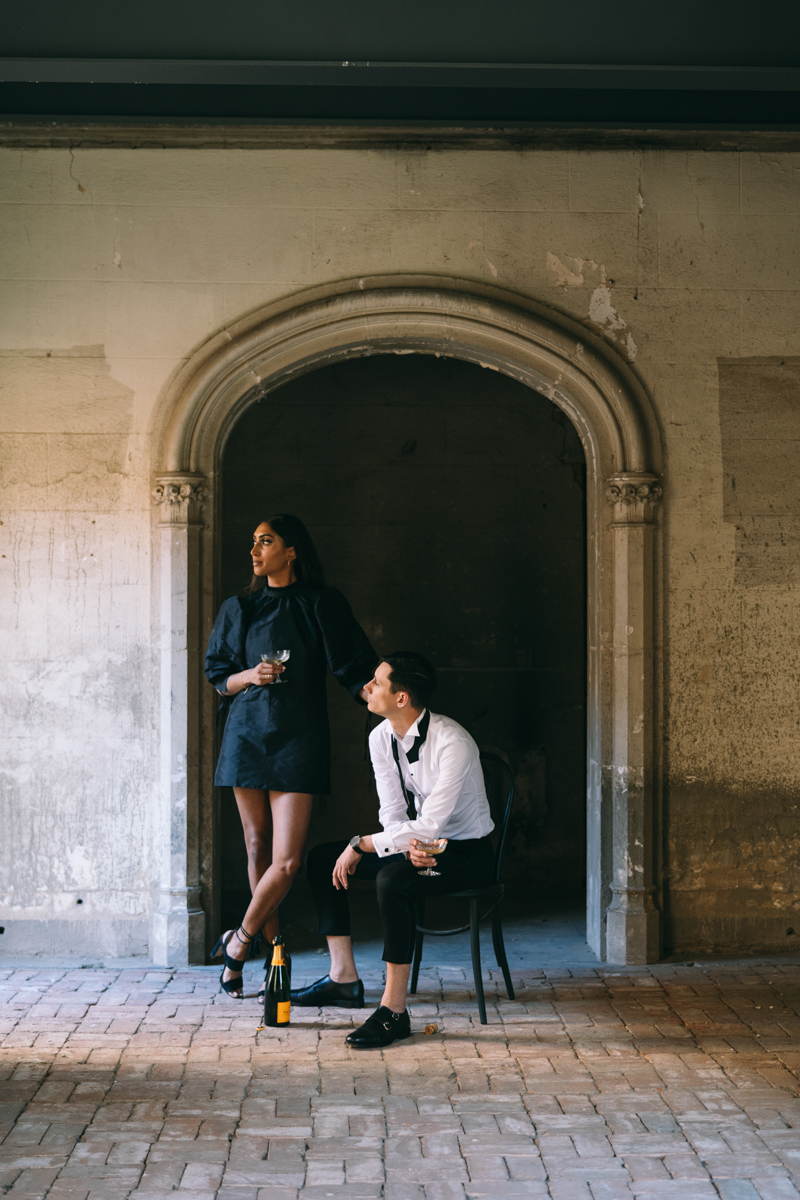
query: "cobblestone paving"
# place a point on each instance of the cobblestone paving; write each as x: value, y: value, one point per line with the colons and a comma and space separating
x: 597, y: 1084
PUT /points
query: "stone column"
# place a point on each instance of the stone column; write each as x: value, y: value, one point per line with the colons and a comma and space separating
x: 632, y: 930
x: 178, y: 922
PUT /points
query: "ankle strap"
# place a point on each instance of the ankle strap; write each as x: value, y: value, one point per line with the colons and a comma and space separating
x: 244, y: 936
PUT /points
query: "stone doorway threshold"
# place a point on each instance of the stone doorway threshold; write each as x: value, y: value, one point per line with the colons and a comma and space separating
x: 541, y: 929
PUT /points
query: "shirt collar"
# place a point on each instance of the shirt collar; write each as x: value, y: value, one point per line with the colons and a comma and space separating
x: 419, y: 728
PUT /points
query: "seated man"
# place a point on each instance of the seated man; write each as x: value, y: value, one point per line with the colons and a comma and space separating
x: 430, y: 786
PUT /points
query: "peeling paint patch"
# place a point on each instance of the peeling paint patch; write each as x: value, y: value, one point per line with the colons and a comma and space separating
x: 759, y: 413
x: 473, y: 246
x: 564, y: 276
x: 572, y: 272
x: 68, y: 390
x: 603, y: 313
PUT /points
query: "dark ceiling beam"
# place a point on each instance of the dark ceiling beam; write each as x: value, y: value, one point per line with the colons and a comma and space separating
x: 516, y: 76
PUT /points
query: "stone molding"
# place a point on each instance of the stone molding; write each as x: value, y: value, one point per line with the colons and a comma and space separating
x: 633, y: 498
x: 177, y: 920
x: 27, y: 132
x: 179, y: 498
x: 548, y: 351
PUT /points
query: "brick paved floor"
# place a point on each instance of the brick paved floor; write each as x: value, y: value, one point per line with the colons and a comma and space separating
x: 597, y: 1084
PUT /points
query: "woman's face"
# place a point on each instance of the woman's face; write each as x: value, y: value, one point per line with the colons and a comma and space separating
x: 270, y: 554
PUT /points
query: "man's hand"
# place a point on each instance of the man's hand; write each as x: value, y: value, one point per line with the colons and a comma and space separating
x: 346, y: 864
x: 419, y: 859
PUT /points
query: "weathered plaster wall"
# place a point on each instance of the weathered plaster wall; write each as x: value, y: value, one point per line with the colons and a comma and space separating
x: 116, y: 264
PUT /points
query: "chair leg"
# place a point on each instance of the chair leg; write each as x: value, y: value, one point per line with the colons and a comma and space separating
x: 475, y: 945
x: 500, y: 952
x: 419, y: 909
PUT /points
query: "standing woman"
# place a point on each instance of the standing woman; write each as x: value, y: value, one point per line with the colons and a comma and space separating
x: 275, y: 751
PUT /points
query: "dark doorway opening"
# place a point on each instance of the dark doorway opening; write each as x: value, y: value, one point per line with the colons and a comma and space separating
x: 448, y: 504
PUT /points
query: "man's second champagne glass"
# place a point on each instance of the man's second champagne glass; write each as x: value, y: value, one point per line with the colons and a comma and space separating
x: 431, y: 848
x: 275, y: 658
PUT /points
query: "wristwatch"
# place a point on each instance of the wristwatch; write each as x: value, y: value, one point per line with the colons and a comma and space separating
x: 354, y: 843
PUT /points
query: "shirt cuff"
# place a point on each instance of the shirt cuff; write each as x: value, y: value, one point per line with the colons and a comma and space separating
x: 384, y: 846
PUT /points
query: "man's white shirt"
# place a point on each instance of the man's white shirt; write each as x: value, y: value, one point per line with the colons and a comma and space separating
x: 446, y: 783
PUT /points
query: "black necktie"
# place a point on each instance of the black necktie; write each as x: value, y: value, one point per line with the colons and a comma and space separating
x: 412, y: 756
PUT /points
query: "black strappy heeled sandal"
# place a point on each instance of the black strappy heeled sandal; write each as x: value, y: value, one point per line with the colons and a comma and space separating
x: 232, y: 964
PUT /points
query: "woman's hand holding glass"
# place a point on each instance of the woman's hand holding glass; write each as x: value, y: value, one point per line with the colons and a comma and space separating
x: 258, y: 676
x: 275, y: 658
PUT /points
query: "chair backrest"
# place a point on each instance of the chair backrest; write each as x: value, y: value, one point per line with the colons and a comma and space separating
x: 499, y: 780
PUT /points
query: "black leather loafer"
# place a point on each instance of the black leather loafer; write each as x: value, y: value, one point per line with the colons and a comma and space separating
x: 326, y: 993
x: 381, y: 1029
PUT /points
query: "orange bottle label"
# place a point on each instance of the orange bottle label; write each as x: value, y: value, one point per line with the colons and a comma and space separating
x: 283, y: 1012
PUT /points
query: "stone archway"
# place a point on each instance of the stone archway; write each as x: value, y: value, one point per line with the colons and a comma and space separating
x: 606, y: 404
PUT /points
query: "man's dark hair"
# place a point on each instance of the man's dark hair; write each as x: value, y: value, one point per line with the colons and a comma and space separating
x: 413, y: 674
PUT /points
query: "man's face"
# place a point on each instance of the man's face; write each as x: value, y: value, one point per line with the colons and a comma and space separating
x: 380, y: 698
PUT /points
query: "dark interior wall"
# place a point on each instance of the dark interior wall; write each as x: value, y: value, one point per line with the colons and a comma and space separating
x: 447, y: 503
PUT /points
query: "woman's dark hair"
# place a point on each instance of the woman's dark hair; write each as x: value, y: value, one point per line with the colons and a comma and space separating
x: 307, y: 566
x: 413, y: 674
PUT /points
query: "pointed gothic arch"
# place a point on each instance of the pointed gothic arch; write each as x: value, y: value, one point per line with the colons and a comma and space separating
x: 602, y: 397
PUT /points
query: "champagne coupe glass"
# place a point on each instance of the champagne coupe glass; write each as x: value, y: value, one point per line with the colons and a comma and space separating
x: 431, y: 848
x: 275, y: 658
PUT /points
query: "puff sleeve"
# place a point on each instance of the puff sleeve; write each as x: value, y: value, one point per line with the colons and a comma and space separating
x: 348, y: 650
x: 225, y: 655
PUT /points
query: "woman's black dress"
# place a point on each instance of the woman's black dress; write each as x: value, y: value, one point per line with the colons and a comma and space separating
x: 276, y: 736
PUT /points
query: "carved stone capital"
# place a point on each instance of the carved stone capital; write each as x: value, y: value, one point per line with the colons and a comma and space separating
x: 179, y: 498
x: 633, y: 498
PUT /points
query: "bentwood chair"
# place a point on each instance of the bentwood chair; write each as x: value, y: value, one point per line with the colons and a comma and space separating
x: 500, y: 793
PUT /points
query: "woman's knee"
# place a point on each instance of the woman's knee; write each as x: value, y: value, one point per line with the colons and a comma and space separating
x: 287, y: 864
x: 258, y: 844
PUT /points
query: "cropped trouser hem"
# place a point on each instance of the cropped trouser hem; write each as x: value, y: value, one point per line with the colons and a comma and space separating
x: 399, y: 885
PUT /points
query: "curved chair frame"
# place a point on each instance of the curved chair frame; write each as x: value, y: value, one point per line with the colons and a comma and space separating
x: 493, y: 893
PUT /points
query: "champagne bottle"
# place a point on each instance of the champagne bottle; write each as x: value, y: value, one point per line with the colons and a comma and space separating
x: 276, y: 999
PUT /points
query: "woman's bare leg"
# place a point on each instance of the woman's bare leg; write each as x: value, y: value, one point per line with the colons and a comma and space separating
x: 291, y: 813
x: 255, y: 811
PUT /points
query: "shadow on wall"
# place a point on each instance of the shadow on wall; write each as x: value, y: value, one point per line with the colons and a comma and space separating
x: 448, y: 504
x: 731, y: 855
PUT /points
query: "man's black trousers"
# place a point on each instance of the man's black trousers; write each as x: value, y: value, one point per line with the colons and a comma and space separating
x: 462, y: 865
